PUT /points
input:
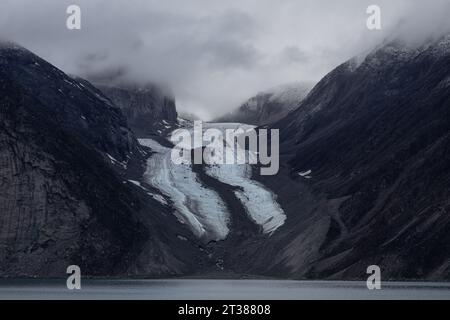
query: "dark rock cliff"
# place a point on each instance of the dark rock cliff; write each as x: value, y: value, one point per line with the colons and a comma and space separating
x: 375, y: 137
x: 149, y: 110
x: 65, y: 150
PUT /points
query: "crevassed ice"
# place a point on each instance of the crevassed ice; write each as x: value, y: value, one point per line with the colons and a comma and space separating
x: 259, y: 202
x: 200, y: 208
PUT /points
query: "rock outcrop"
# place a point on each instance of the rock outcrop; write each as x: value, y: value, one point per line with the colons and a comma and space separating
x: 365, y: 173
x: 66, y: 153
x: 149, y: 109
x: 269, y: 106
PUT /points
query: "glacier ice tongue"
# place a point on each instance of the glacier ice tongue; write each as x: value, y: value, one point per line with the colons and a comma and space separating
x: 200, y: 208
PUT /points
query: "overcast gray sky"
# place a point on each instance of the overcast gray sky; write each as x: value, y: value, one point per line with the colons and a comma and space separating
x: 213, y: 53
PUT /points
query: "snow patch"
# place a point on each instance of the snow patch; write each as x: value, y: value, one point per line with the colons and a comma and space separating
x: 305, y: 174
x: 116, y: 162
x: 158, y: 198
x: 290, y: 94
x: 137, y: 183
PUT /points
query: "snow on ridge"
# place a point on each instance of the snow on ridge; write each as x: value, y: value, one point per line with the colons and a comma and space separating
x: 158, y: 198
x: 442, y: 47
x: 117, y: 162
x: 137, y: 183
x: 305, y: 174
x: 289, y: 93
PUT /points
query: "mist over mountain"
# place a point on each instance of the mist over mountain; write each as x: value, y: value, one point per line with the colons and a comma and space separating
x: 189, y: 116
x: 148, y: 109
x: 363, y: 180
x: 270, y: 105
x: 373, y: 138
x: 66, y: 157
x: 214, y: 55
x: 86, y: 169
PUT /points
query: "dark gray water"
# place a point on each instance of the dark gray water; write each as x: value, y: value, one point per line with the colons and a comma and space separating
x: 182, y: 289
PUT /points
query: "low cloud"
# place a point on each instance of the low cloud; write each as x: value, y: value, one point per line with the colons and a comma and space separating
x: 214, y: 54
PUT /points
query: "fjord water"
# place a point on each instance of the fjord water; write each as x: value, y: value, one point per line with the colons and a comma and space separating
x: 192, y: 289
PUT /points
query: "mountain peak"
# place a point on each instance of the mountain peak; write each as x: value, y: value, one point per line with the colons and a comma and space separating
x: 270, y: 105
x: 6, y: 44
x: 149, y: 108
x: 400, y: 50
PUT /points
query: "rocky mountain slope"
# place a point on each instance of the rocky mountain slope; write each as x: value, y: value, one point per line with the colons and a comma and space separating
x: 149, y: 109
x: 269, y: 106
x: 366, y: 171
x: 364, y: 178
x: 66, y: 154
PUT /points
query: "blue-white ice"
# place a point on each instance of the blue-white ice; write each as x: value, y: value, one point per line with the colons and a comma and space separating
x: 260, y: 203
x: 200, y: 208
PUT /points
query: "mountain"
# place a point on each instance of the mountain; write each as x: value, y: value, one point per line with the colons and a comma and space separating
x: 188, y: 116
x: 269, y: 106
x: 364, y: 179
x: 149, y: 109
x: 365, y: 175
x: 66, y: 157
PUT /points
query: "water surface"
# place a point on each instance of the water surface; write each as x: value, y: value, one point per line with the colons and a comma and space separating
x: 190, y: 289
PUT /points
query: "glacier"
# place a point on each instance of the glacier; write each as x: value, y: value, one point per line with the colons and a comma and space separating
x: 201, y: 208
x: 198, y: 207
x: 260, y: 203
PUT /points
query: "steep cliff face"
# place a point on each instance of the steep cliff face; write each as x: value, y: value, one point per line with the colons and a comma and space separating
x: 149, y: 110
x: 65, y: 150
x: 366, y: 172
x: 364, y: 178
x: 269, y: 106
